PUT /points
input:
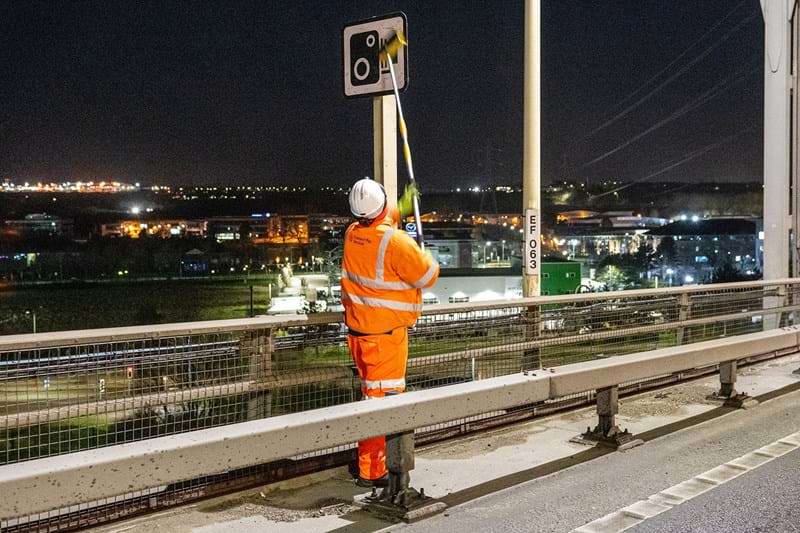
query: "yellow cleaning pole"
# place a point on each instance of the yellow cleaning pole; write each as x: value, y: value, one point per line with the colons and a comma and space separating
x: 388, y: 54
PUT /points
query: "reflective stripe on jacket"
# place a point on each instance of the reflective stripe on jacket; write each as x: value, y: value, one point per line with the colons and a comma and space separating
x: 383, y: 274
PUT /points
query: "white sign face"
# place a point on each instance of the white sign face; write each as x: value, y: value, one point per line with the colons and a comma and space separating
x: 531, y: 254
x: 364, y: 74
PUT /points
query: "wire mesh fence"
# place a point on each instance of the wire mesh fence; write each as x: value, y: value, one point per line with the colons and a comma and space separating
x: 61, y: 395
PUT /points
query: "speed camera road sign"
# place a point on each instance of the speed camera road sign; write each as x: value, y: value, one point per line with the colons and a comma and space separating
x: 364, y: 73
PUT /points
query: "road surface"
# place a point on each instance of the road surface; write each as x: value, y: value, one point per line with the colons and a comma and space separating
x: 764, y: 499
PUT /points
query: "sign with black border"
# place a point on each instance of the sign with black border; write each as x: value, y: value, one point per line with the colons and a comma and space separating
x: 363, y: 73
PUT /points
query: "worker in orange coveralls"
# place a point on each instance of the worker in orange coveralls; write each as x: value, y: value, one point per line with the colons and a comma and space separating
x: 383, y: 274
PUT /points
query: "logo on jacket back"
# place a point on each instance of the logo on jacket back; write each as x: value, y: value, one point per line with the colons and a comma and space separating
x: 357, y: 239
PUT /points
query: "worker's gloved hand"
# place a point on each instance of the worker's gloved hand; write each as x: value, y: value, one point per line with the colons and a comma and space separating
x: 406, y: 202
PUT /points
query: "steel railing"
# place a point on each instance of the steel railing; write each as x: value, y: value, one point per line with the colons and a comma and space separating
x: 66, y: 392
x: 58, y: 484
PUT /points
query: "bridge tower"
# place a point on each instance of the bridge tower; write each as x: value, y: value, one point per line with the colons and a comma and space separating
x: 781, y: 193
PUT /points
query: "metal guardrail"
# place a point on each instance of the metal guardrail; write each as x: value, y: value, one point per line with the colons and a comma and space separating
x: 94, y: 475
x: 66, y: 392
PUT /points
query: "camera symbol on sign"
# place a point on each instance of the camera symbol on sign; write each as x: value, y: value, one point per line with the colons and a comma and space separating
x: 365, y: 69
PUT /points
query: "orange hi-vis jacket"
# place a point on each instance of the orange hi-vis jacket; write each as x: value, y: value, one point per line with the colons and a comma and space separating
x: 383, y: 274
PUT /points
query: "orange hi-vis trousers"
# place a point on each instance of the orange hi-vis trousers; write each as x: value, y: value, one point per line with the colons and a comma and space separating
x: 381, y: 362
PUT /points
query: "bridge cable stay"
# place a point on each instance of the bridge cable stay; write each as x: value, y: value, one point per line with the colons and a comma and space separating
x: 666, y: 68
x: 700, y: 100
x: 689, y: 157
x: 683, y: 70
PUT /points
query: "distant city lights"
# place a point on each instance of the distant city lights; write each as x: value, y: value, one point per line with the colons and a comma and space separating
x: 68, y: 187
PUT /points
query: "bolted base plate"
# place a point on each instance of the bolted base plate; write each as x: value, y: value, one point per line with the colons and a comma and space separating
x: 738, y: 401
x: 614, y: 438
x: 416, y: 506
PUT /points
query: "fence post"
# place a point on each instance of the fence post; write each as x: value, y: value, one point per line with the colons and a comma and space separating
x: 532, y: 319
x: 772, y: 320
x: 684, y: 312
x: 256, y: 347
x: 781, y: 301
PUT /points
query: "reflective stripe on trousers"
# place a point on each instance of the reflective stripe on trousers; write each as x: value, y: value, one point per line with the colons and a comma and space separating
x: 384, y: 384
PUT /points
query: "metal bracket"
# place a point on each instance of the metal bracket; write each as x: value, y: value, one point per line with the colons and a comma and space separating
x: 727, y: 392
x: 736, y: 400
x: 400, y: 501
x: 607, y: 433
x: 615, y: 438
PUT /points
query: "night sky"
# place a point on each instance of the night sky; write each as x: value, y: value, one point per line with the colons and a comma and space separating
x: 250, y: 92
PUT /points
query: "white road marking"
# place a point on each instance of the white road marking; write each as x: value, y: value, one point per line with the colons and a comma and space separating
x: 665, y: 500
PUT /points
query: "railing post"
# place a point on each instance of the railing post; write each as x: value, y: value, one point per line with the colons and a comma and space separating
x: 532, y: 357
x: 781, y: 301
x: 399, y: 500
x: 606, y: 432
x: 772, y: 320
x: 727, y: 379
x: 607, y: 409
x: 684, y: 312
x: 789, y: 300
x: 727, y: 389
x: 400, y: 463
x: 257, y: 347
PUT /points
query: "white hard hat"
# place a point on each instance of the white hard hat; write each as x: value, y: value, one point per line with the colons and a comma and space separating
x: 367, y: 199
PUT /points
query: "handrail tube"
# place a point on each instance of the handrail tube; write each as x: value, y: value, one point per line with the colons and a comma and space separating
x: 30, y: 341
x: 597, y: 374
